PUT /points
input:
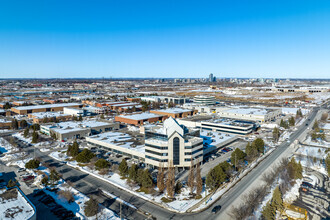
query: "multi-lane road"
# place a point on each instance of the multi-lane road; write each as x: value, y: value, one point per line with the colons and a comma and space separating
x: 90, y: 185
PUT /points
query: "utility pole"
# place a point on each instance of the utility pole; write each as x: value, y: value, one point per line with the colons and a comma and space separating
x: 120, y: 207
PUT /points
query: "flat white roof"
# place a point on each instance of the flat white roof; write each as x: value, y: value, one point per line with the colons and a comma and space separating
x: 247, y: 111
x: 26, y: 208
x: 119, y: 139
x: 218, y: 136
x: 141, y: 116
x: 46, y: 106
x: 125, y: 104
x: 173, y: 110
x: 48, y: 114
x: 69, y: 126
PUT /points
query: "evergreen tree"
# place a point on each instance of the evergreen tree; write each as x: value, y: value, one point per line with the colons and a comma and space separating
x: 316, y: 126
x: 80, y: 118
x: 35, y: 137
x: 91, y: 207
x: 146, y: 181
x: 26, y: 132
x: 45, y: 120
x: 191, y: 177
x: 14, y: 124
x: 160, y: 179
x: 199, y: 181
x: 53, y: 176
x: 133, y: 172
x: 23, y: 124
x: 215, y: 177
x: 277, y: 201
x: 123, y: 168
x: 276, y: 134
x: 102, y: 116
x: 84, y: 156
x: 74, y: 149
x: 260, y: 145
x: 237, y: 156
x: 32, y: 164
x: 251, y: 152
x: 292, y: 122
x: 268, y: 212
x: 102, y: 164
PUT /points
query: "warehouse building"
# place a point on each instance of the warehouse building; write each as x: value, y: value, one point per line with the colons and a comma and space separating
x: 140, y: 119
x: 45, y: 117
x: 175, y: 112
x: 75, y: 130
x: 24, y: 110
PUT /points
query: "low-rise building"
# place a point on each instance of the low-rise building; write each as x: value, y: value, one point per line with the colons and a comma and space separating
x: 253, y: 114
x: 226, y: 125
x: 174, y: 112
x: 24, y: 110
x: 75, y: 111
x: 15, y: 205
x: 172, y: 144
x: 140, y: 119
x: 119, y: 143
x: 204, y: 100
x: 45, y: 117
x: 78, y: 129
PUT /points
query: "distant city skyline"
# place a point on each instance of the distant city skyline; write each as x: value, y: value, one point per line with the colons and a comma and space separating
x: 172, y: 39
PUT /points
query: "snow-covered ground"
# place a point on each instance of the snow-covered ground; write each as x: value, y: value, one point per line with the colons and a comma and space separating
x: 58, y: 155
x: 77, y: 207
x: 21, y: 137
x: 180, y: 204
x: 18, y: 208
x: 293, y: 193
x: 317, y: 142
x: 5, y: 146
x: 19, y: 163
x: 309, y: 162
x: 317, y: 152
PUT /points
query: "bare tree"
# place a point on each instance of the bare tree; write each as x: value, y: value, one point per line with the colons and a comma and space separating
x: 191, y: 177
x: 170, y: 181
x: 199, y: 181
x: 160, y: 178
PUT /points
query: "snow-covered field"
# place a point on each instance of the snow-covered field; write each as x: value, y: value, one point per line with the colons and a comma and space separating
x: 180, y: 204
x: 77, y: 207
x: 21, y: 137
x: 5, y: 146
x: 317, y: 152
x: 317, y: 142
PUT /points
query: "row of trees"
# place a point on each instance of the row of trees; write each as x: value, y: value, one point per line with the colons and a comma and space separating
x: 222, y: 171
x: 15, y: 125
x: 135, y: 174
x: 195, y: 179
x: 286, y: 124
x: 83, y: 156
x: 288, y: 171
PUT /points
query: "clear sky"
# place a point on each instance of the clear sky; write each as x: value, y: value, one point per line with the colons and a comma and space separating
x: 165, y: 38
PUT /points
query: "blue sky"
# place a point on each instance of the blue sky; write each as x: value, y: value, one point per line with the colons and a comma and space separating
x: 123, y: 38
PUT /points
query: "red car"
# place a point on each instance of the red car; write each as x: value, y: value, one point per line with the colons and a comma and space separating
x: 27, y: 178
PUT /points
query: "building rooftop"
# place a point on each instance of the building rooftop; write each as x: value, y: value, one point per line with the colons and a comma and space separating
x: 173, y: 110
x: 248, y: 111
x: 69, y: 126
x: 46, y: 106
x: 123, y: 140
x: 48, y: 114
x: 142, y: 116
x: 214, y: 138
x: 14, y: 205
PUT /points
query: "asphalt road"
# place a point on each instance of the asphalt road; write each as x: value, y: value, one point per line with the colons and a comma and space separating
x: 90, y: 185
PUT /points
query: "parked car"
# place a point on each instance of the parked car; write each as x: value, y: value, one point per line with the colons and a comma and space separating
x: 27, y: 178
x: 216, y: 209
x: 21, y: 170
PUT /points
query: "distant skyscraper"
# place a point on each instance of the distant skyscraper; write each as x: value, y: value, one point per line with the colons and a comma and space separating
x: 212, y: 78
